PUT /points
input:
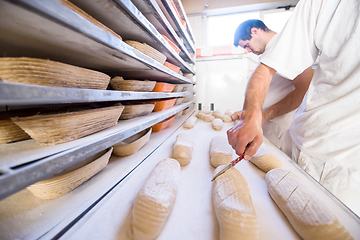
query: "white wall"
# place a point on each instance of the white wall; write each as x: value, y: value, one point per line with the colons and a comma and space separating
x: 222, y: 82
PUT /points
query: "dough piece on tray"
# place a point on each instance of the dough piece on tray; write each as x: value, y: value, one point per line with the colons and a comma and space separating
x: 306, y: 212
x: 155, y: 200
x: 224, y: 118
x: 205, y: 111
x: 190, y: 122
x: 217, y: 124
x: 265, y: 160
x: 233, y: 206
x: 220, y: 151
x: 217, y: 113
x: 204, y: 117
x: 183, y: 148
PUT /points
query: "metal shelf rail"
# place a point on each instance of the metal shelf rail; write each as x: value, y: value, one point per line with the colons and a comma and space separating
x: 120, y: 13
x: 15, y: 94
x: 16, y: 172
x: 174, y: 20
x: 48, y: 29
x: 153, y: 13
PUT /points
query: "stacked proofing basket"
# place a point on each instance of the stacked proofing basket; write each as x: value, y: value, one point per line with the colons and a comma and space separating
x: 147, y: 50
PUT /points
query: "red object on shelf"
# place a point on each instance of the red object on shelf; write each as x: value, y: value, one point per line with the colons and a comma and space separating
x: 163, y: 87
x: 172, y: 67
x: 163, y: 124
x: 164, y: 104
x: 177, y: 50
x: 173, y: 5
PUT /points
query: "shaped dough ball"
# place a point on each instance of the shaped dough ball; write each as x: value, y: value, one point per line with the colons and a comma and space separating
x: 308, y: 215
x: 217, y: 113
x: 217, y: 124
x: 220, y: 151
x: 225, y: 118
x: 233, y: 206
x: 209, y: 118
x: 155, y: 200
x: 190, y: 122
x: 205, y: 112
x: 183, y: 148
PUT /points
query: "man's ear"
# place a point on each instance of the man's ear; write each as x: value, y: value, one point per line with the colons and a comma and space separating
x: 254, y: 30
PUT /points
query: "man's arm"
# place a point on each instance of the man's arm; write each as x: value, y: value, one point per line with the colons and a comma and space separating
x: 248, y: 132
x: 293, y: 99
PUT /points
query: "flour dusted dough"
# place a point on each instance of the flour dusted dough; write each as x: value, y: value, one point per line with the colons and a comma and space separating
x: 304, y: 210
x: 183, y: 148
x: 205, y: 111
x: 265, y: 160
x: 225, y: 118
x: 220, y: 151
x: 217, y: 113
x: 155, y: 200
x: 190, y: 122
x: 229, y: 112
x: 217, y: 124
x: 204, y: 117
x: 233, y: 206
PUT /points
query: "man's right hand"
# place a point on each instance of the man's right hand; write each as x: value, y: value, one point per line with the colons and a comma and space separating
x: 246, y: 136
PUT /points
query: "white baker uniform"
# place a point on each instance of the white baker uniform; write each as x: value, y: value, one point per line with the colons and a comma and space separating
x: 326, y: 128
x: 277, y: 129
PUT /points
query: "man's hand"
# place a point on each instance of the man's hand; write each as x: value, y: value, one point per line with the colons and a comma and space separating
x: 246, y: 136
x: 236, y: 116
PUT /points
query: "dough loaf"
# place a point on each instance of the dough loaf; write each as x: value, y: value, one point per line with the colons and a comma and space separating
x: 305, y: 211
x: 265, y: 160
x: 190, y: 122
x: 155, y: 200
x: 183, y: 148
x: 220, y: 151
x: 233, y: 206
x: 217, y: 124
x: 225, y: 118
x: 205, y: 111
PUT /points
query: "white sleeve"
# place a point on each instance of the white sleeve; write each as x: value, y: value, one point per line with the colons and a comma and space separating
x: 294, y: 48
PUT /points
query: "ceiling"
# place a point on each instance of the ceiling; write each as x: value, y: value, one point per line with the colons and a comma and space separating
x: 217, y: 7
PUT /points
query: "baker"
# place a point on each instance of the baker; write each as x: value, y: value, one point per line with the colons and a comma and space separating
x: 326, y: 129
x: 284, y: 95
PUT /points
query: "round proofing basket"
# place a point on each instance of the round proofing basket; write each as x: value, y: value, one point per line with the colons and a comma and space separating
x: 147, y: 50
x: 66, y: 182
x: 132, y: 144
x: 51, y: 129
x: 118, y: 83
x: 50, y: 73
x: 138, y: 110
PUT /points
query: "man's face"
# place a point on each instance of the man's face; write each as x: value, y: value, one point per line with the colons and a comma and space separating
x: 255, y: 45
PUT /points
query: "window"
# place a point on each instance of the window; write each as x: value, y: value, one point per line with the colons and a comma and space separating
x: 221, y: 29
x: 276, y: 19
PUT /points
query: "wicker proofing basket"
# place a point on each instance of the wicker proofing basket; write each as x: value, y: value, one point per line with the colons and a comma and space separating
x: 49, y: 73
x: 88, y: 17
x: 67, y: 181
x: 147, y: 50
x: 51, y: 129
x: 10, y: 132
x: 118, y: 83
x: 132, y: 144
x: 137, y: 110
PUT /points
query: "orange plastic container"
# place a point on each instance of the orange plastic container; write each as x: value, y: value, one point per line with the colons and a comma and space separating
x: 163, y: 124
x: 172, y: 67
x: 164, y: 104
x: 177, y: 50
x: 163, y: 87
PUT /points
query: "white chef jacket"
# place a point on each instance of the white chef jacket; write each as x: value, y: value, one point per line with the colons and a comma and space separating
x: 277, y: 129
x: 326, y: 127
